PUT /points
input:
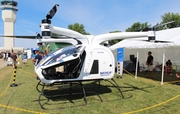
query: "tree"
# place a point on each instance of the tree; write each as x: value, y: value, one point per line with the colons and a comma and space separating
x: 138, y: 27
x: 78, y: 28
x: 135, y: 27
x: 169, y: 17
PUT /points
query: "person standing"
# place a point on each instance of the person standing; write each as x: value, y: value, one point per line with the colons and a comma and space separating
x: 36, y: 61
x: 149, y: 64
x: 14, y: 58
x: 37, y: 58
x: 24, y: 57
x: 4, y: 56
x: 34, y: 55
x: 168, y: 67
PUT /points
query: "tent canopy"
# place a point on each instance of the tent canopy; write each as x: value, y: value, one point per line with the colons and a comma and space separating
x: 171, y: 50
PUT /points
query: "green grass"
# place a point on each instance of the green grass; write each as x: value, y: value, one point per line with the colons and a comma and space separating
x: 142, y: 95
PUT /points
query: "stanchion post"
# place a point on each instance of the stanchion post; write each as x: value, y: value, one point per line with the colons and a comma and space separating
x: 118, y: 70
x: 14, y: 78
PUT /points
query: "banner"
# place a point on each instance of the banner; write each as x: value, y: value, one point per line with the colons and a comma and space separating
x: 120, y: 59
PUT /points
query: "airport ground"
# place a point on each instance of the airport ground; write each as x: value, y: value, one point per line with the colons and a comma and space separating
x: 2, y: 63
x: 141, y: 95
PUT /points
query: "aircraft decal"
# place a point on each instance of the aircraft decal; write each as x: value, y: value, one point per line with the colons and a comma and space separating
x: 100, y: 52
x: 105, y: 73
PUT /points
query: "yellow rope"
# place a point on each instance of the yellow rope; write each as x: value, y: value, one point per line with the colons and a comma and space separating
x: 7, y: 85
x: 27, y: 72
x: 35, y: 112
x: 20, y: 109
x: 156, y: 105
x: 14, y: 108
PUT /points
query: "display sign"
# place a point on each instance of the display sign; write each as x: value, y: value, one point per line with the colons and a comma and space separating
x: 120, y: 59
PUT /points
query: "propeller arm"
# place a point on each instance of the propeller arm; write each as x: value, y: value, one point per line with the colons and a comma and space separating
x: 65, y: 40
x: 121, y: 35
x: 48, y: 28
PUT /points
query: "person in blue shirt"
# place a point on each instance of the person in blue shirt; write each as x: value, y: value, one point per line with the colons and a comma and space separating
x: 24, y: 58
x: 34, y: 55
x: 36, y: 60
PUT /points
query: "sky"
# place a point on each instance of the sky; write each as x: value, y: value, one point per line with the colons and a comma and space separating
x: 97, y: 16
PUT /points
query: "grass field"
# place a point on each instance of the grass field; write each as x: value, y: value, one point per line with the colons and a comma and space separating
x: 141, y: 95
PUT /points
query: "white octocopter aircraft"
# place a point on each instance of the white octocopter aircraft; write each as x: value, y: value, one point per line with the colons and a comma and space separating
x: 85, y: 60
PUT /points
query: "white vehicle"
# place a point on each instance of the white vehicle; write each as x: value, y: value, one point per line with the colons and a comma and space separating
x: 86, y: 60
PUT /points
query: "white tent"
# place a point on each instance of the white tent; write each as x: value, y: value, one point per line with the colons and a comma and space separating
x: 136, y: 45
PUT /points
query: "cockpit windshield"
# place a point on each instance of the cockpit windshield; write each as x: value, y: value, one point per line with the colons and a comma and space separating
x: 59, y: 54
x: 63, y: 63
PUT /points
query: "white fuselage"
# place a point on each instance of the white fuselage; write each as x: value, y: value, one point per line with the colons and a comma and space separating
x: 98, y: 64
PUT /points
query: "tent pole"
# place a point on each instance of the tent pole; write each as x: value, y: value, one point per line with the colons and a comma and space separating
x: 162, y: 77
x: 137, y: 65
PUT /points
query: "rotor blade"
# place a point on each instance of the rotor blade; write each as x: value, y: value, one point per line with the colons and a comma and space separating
x: 34, y: 37
x: 145, y: 29
x: 155, y: 26
x: 25, y: 37
x: 164, y: 24
x: 65, y: 37
x: 60, y: 37
x: 52, y: 12
x: 158, y: 41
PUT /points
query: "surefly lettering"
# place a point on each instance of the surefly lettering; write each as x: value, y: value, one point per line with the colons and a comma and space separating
x: 107, y: 73
x: 100, y: 52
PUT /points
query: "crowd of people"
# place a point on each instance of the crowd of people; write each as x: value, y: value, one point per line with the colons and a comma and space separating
x: 10, y: 58
x: 14, y: 58
x: 6, y: 55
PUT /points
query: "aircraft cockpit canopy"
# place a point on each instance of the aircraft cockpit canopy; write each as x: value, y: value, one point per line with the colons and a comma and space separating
x: 58, y: 55
x: 63, y: 63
